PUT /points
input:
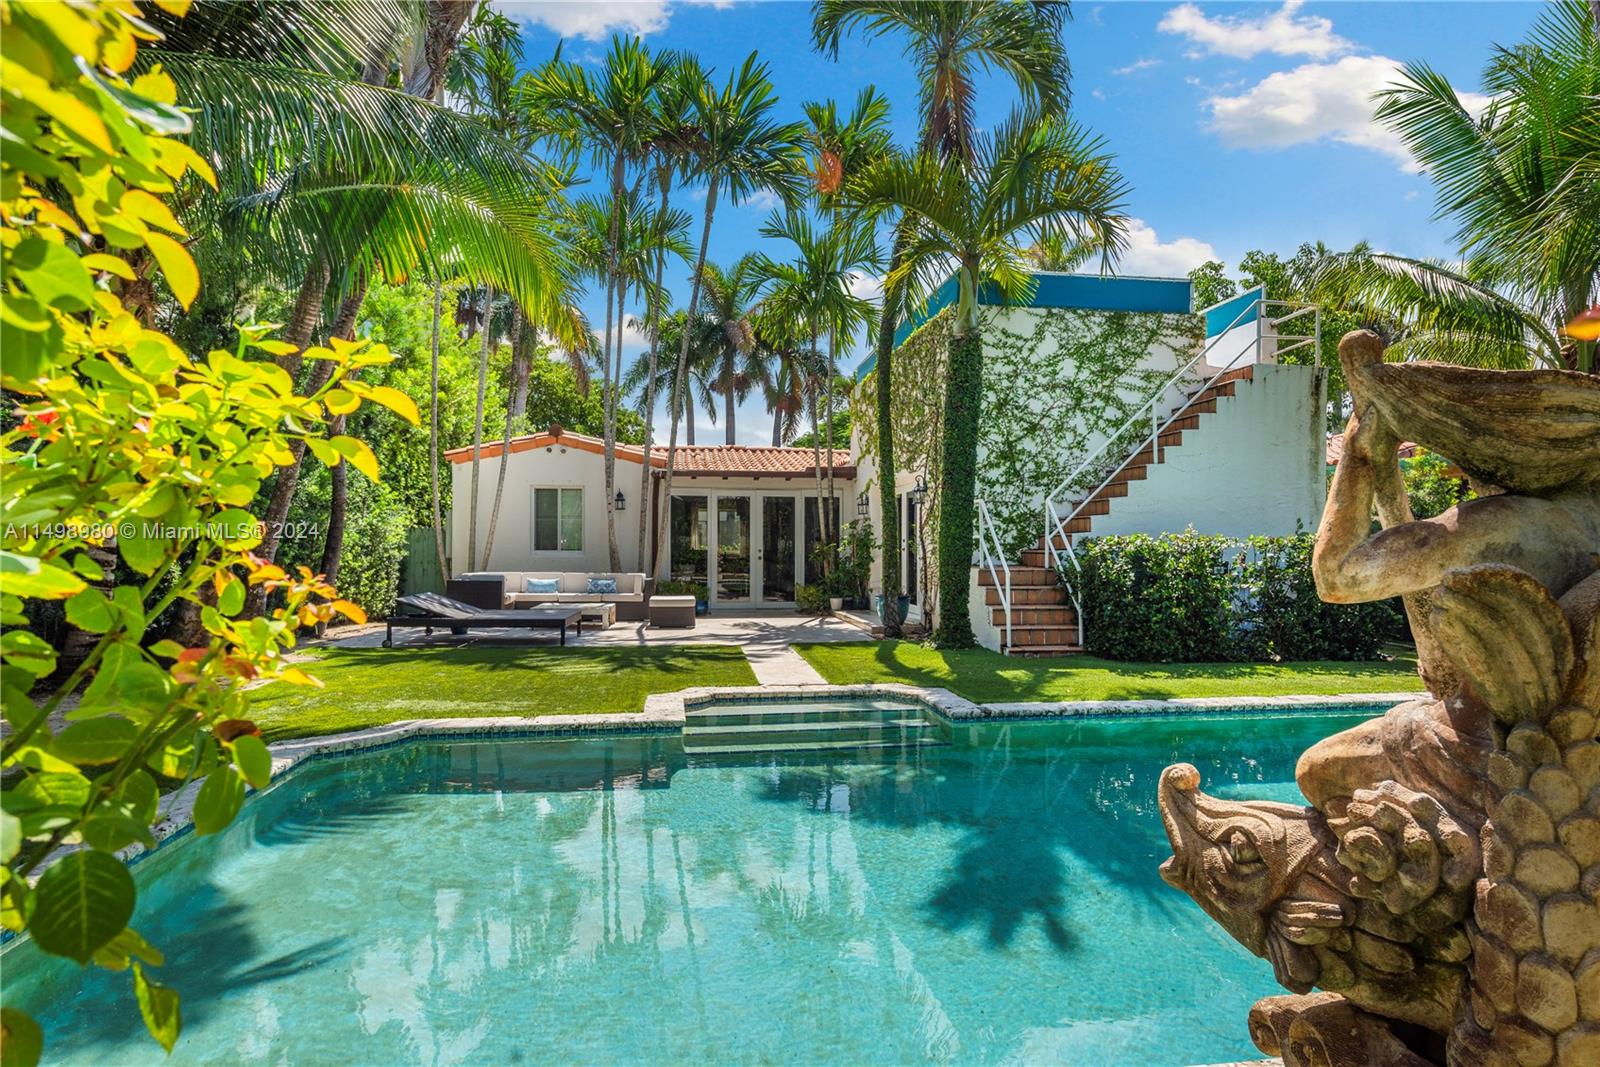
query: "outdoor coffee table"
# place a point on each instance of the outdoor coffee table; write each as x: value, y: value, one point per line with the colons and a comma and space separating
x: 598, y: 615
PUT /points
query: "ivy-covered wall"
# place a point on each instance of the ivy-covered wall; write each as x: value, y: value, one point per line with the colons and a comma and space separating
x: 1056, y: 383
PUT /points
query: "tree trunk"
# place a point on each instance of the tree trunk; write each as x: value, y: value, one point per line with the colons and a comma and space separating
x: 302, y: 323
x: 433, y: 437
x: 519, y: 385
x: 344, y: 325
x: 777, y: 426
x: 477, y: 431
x: 833, y: 359
x: 727, y: 399
x: 688, y: 420
x: 681, y: 376
x: 654, y: 330
x: 607, y: 401
x: 962, y: 399
x: 889, y: 561
x: 610, y: 444
x: 816, y: 477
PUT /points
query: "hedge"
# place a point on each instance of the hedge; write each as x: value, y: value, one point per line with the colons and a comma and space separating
x: 1193, y: 598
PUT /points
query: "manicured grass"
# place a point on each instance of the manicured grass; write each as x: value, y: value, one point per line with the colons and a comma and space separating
x: 371, y: 686
x: 990, y: 678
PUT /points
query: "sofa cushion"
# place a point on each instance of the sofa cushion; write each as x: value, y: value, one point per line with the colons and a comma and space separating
x: 599, y: 584
x: 541, y: 585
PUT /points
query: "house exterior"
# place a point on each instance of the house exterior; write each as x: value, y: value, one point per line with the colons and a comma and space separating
x: 1077, y: 381
x: 1109, y: 407
x: 740, y: 521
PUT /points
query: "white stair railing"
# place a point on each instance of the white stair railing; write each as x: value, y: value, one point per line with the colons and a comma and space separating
x: 991, y: 553
x: 1057, y: 522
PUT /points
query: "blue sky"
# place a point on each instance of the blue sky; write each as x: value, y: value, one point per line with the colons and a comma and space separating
x: 1238, y: 126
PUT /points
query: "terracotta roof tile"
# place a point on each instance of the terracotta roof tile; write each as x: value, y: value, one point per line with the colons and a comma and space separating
x: 749, y: 460
x: 753, y: 459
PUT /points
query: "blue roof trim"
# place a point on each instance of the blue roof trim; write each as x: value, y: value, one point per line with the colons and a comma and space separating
x: 1220, y: 317
x: 1088, y: 292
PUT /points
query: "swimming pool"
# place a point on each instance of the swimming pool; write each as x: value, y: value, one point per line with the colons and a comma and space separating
x: 618, y: 899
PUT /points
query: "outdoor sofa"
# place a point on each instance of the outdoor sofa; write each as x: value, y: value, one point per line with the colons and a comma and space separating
x: 433, y: 609
x: 571, y: 587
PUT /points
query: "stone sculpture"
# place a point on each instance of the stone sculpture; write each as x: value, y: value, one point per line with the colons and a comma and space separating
x: 1438, y: 902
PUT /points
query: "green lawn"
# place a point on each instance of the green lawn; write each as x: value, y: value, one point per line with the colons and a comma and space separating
x: 371, y: 686
x: 990, y: 678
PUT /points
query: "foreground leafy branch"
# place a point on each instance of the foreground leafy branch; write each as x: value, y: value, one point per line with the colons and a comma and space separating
x: 123, y: 443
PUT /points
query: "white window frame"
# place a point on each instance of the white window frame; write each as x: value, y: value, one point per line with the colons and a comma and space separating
x: 533, y: 519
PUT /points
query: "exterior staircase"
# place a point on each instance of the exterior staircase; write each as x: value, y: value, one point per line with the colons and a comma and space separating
x: 1044, y: 621
x: 779, y: 728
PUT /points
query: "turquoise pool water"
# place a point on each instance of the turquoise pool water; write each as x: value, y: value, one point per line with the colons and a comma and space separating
x: 610, y: 901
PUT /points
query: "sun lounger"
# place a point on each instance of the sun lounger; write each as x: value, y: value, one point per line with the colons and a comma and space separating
x: 431, y: 609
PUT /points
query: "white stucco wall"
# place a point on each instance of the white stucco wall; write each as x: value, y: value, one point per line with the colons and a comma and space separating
x: 553, y: 466
x: 558, y: 466
x: 1255, y: 465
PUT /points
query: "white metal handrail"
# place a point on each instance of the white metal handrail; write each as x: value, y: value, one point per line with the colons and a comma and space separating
x: 1054, y: 559
x: 993, y: 552
x: 1055, y: 524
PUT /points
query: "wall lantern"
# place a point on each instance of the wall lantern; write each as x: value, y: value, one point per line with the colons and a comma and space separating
x: 621, y: 501
x: 920, y: 493
x: 861, y: 503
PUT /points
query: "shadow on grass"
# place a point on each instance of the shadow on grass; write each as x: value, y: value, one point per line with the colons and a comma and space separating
x: 982, y: 675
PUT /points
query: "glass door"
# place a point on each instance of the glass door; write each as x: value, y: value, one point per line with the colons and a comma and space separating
x: 777, y: 550
x: 733, y: 550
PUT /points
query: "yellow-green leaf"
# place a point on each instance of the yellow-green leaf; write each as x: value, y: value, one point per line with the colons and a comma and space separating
x: 395, y: 401
x: 340, y: 401
x: 183, y: 277
x: 357, y: 452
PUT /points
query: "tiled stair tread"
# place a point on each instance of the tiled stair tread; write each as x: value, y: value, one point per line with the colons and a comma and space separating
x: 879, y: 725
x: 1036, y: 577
x: 811, y: 746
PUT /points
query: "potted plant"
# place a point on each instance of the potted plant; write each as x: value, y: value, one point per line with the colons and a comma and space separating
x: 855, y: 561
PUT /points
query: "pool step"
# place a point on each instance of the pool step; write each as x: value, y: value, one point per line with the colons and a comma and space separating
x: 753, y: 714
x: 809, y: 746
x: 851, y: 731
x: 785, y: 727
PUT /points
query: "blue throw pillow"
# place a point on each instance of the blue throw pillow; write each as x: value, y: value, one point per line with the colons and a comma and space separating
x: 542, y: 585
x: 602, y: 585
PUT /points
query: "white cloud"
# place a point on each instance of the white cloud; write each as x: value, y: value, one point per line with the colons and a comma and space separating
x: 867, y: 286
x: 1149, y: 256
x: 1136, y: 66
x: 1313, y: 102
x: 596, y: 20
x: 1281, y: 32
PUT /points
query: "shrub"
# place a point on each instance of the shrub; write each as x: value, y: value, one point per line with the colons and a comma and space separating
x: 811, y: 599
x: 1158, y: 599
x: 679, y: 587
x: 1193, y: 598
x: 374, y: 547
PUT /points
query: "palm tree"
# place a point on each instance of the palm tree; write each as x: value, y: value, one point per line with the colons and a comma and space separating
x: 741, y: 149
x: 669, y: 148
x: 949, y: 42
x: 336, y: 176
x: 699, y: 387
x: 610, y: 116
x: 730, y: 299
x: 813, y: 292
x: 1033, y: 177
x: 1522, y: 182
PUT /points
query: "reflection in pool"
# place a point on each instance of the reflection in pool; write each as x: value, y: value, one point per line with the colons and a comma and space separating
x: 602, y: 901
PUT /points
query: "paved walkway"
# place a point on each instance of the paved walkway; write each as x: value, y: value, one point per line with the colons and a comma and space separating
x: 766, y: 638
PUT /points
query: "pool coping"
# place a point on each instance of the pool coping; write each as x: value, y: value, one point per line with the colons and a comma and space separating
x: 667, y: 713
